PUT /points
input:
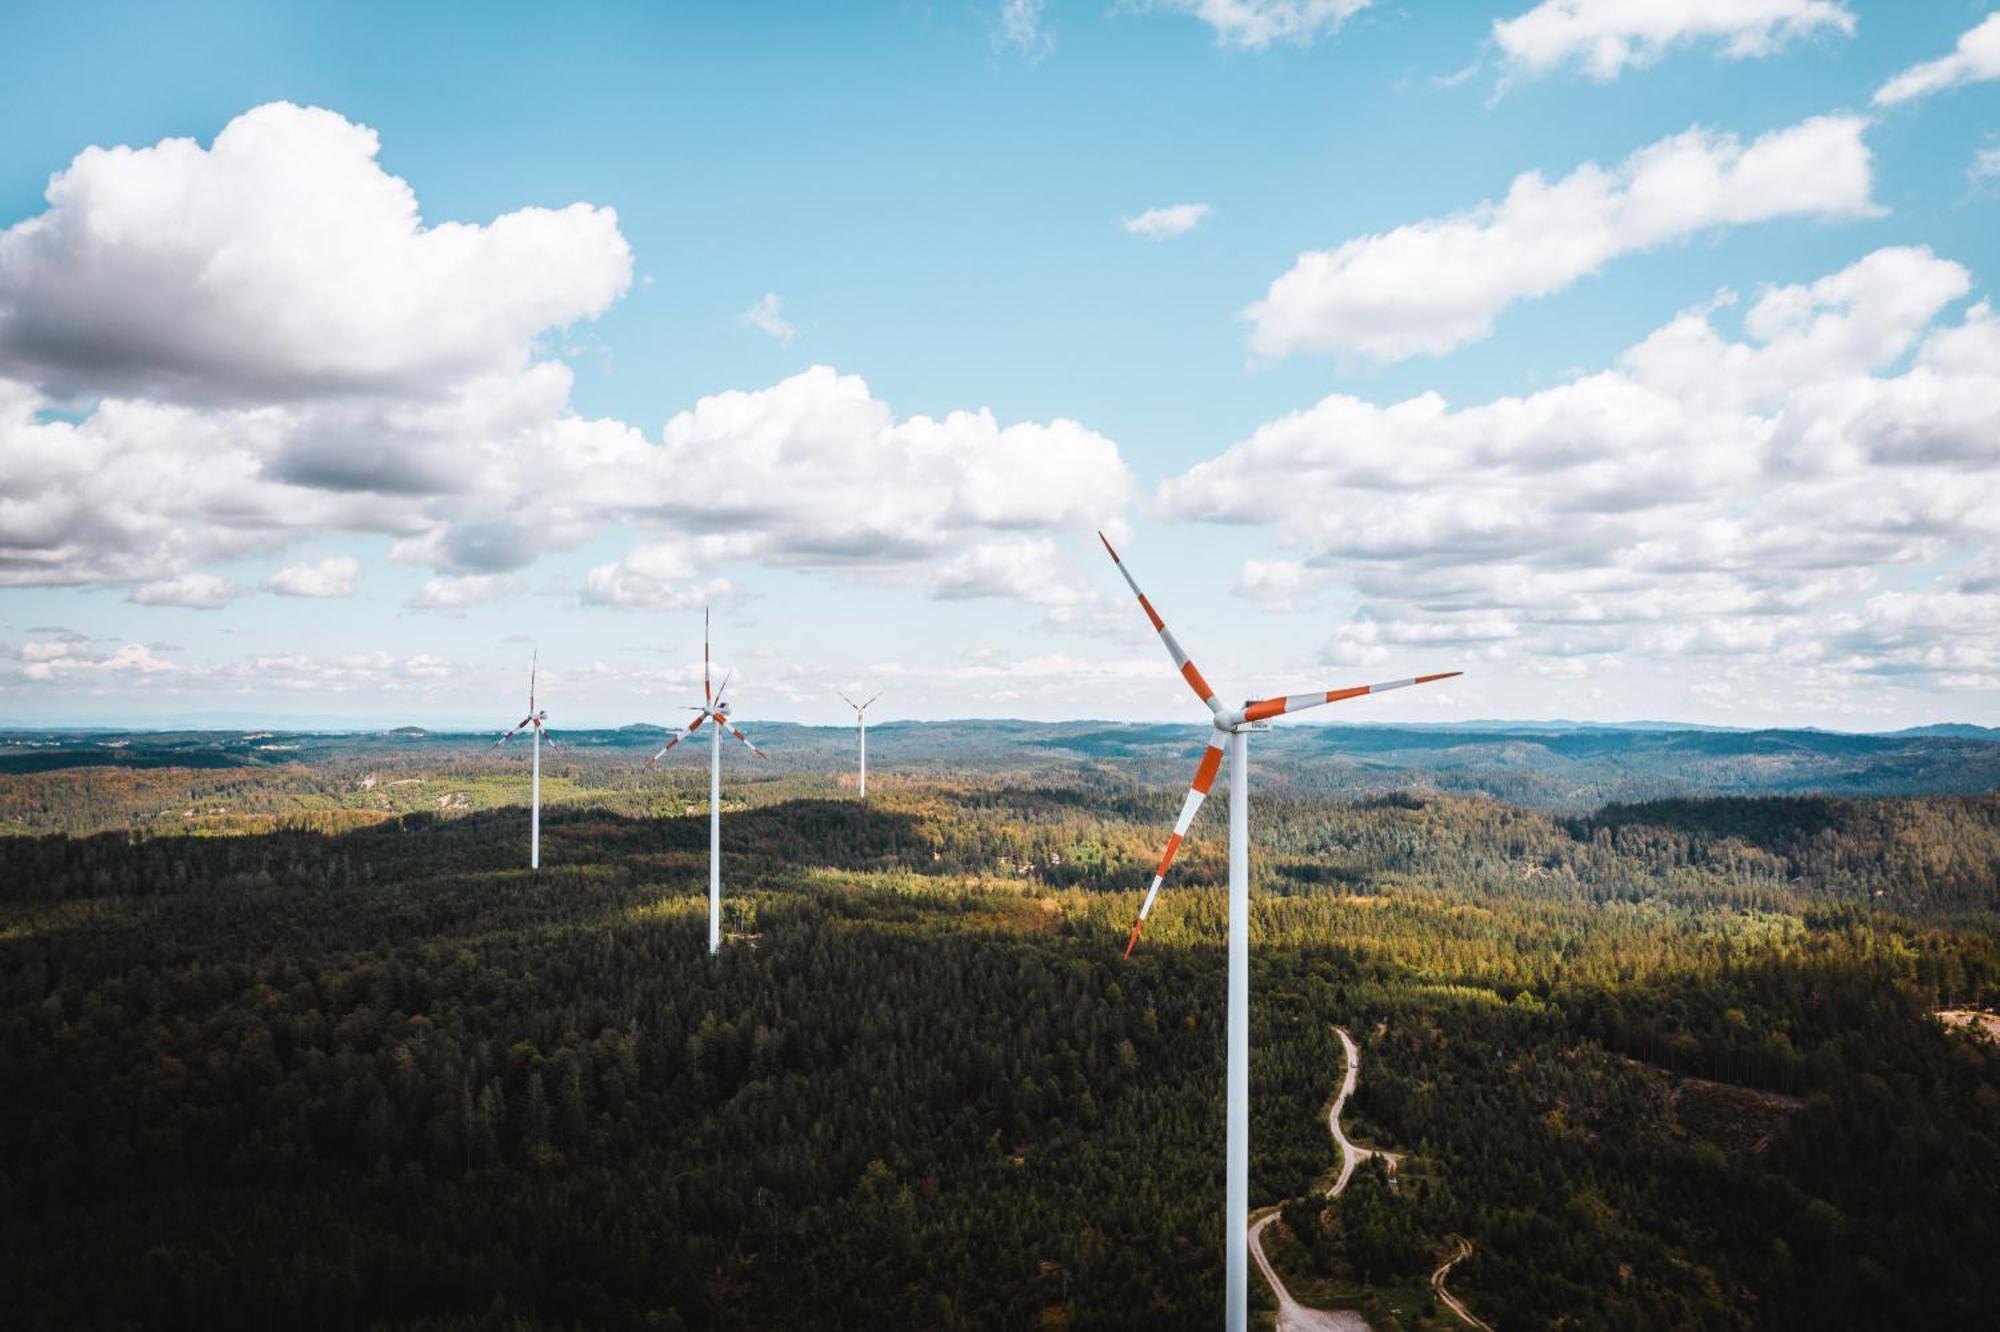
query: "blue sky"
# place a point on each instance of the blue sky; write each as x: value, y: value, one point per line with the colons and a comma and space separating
x: 936, y: 207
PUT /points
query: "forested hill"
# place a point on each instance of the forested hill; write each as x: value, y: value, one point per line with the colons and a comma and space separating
x: 1662, y: 1048
x: 1665, y: 1065
x: 1552, y: 766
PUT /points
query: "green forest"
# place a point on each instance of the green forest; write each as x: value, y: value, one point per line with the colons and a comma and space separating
x: 293, y: 1046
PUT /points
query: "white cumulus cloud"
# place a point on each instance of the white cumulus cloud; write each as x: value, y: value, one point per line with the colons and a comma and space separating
x: 1606, y: 37
x: 1431, y: 286
x: 1708, y: 496
x: 282, y: 262
x: 216, y: 434
x: 1172, y: 220
x: 767, y: 316
x: 1975, y: 59
x: 660, y: 575
x: 195, y: 591
x: 1020, y: 26
x: 47, y: 661
x: 1255, y: 24
x: 1028, y: 569
x: 333, y: 577
x: 457, y: 592
x: 817, y: 472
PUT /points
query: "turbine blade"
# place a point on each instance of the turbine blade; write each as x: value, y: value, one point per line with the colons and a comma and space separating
x: 513, y: 730
x: 693, y: 726
x: 1278, y: 707
x: 721, y: 689
x: 871, y: 702
x: 1187, y: 668
x: 707, y: 695
x: 848, y: 701
x: 1204, y: 778
x: 534, y: 668
x: 740, y: 736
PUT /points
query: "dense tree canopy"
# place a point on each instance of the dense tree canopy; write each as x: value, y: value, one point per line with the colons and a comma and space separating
x: 1667, y: 1065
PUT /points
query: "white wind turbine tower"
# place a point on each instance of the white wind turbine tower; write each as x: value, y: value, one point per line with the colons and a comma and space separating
x: 861, y: 722
x: 536, y: 720
x: 712, y: 709
x: 1233, y: 725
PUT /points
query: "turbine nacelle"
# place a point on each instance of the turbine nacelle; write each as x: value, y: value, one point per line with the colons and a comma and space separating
x: 716, y: 709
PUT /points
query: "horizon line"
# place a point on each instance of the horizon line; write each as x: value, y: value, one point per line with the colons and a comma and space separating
x: 304, y: 727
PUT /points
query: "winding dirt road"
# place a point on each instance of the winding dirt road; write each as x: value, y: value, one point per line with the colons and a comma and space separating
x: 1451, y: 1300
x: 1293, y: 1316
x: 1296, y: 1317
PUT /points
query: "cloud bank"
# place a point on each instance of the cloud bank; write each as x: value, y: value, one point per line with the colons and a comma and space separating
x: 274, y: 346
x: 1706, y: 499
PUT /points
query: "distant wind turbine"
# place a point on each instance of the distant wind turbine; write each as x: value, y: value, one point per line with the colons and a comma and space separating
x: 536, y: 720
x: 1235, y: 724
x: 712, y: 709
x: 861, y: 722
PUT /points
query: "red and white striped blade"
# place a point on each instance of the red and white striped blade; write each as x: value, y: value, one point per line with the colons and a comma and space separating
x: 1278, y: 707
x: 693, y: 726
x: 513, y: 730
x: 1186, y: 667
x: 1204, y: 778
x: 740, y: 736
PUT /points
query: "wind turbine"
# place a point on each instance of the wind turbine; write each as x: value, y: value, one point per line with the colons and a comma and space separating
x: 1233, y: 726
x: 861, y: 721
x: 536, y: 720
x: 712, y: 709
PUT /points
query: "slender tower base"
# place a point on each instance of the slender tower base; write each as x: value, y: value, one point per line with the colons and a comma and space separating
x: 535, y: 808
x: 864, y: 756
x: 715, y: 838
x: 1236, y: 1233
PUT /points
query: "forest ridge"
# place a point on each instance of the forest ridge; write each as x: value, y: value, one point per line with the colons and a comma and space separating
x: 297, y: 1040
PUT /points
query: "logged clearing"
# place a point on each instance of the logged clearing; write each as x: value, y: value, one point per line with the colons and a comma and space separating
x: 1973, y: 1020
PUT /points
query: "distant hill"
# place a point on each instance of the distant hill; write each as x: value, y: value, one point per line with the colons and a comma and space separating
x: 1552, y: 765
x: 1500, y: 724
